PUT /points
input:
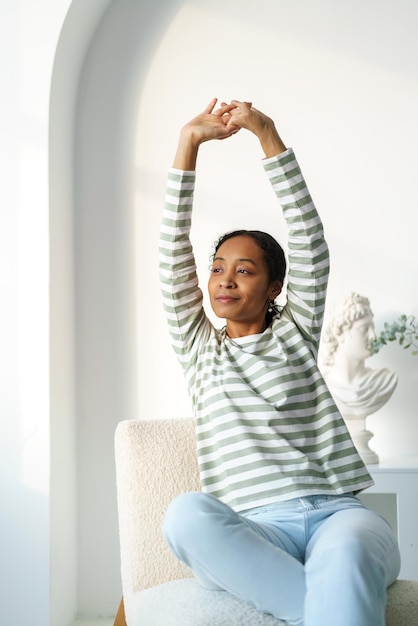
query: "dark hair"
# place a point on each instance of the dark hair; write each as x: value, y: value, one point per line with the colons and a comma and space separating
x: 274, y: 258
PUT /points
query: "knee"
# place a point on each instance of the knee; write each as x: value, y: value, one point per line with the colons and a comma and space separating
x: 360, y: 551
x: 186, y: 514
x: 374, y: 555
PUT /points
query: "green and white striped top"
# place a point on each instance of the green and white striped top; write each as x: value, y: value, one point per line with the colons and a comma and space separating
x: 267, y: 427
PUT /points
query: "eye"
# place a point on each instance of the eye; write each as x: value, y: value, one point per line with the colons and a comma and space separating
x: 243, y: 271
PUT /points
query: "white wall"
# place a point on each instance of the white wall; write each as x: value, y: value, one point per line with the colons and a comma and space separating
x: 341, y: 81
x: 37, y: 454
x: 27, y: 47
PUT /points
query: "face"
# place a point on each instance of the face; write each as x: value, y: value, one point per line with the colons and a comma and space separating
x: 357, y: 339
x: 239, y: 286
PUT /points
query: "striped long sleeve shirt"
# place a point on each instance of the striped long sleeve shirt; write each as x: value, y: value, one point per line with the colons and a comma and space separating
x: 267, y: 427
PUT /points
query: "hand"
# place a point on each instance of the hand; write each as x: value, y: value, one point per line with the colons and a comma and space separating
x: 211, y: 124
x: 244, y: 115
x: 207, y: 125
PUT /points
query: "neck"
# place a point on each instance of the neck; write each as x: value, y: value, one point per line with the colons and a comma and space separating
x: 234, y: 331
x: 346, y: 369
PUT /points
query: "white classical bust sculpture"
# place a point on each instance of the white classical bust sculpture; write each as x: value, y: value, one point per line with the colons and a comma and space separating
x: 357, y: 390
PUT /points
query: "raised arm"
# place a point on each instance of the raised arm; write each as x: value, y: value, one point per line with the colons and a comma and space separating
x: 307, y: 249
x: 182, y: 297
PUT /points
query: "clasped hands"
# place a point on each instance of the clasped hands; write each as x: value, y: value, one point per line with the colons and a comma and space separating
x: 226, y: 120
x: 221, y: 123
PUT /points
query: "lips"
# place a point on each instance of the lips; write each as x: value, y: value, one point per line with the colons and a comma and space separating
x: 223, y: 299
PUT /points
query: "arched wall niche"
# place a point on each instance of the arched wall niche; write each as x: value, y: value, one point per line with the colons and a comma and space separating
x: 77, y: 31
x: 101, y: 60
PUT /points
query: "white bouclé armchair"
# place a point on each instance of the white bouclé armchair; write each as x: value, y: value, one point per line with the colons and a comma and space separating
x: 155, y: 461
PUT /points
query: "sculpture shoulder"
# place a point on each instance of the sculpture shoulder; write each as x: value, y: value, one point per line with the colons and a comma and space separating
x: 367, y: 393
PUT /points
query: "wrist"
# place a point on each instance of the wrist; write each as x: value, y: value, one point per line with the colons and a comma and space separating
x: 270, y: 140
x: 187, y: 150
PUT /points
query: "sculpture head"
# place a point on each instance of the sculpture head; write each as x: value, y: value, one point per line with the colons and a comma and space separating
x: 351, y: 329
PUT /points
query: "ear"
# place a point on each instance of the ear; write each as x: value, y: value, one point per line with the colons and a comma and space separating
x: 276, y: 289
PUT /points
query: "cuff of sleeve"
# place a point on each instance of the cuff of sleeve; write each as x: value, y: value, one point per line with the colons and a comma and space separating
x: 281, y: 158
x: 180, y: 173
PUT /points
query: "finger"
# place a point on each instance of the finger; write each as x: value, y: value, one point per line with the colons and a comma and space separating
x: 227, y: 106
x: 224, y: 108
x: 211, y: 105
x: 241, y: 105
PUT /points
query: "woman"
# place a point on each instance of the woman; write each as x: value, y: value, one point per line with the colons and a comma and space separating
x: 277, y: 523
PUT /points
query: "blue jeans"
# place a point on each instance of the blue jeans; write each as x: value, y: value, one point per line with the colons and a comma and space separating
x: 316, y: 561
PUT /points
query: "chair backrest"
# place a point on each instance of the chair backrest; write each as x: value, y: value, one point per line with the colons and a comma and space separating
x: 155, y: 461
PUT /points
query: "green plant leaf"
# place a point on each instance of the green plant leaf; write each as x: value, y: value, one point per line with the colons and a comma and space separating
x: 404, y: 330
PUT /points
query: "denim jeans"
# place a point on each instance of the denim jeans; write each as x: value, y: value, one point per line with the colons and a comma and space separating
x: 313, y: 561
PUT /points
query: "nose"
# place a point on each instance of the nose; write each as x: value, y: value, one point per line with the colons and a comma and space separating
x: 372, y: 333
x: 227, y: 280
